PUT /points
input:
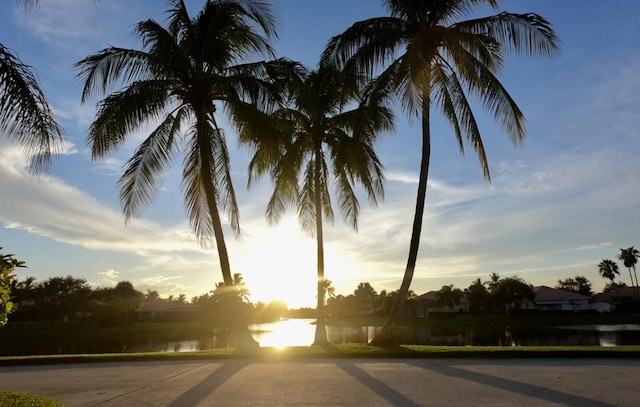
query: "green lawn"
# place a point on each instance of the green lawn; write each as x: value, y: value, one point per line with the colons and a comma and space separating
x: 344, y: 351
x: 15, y: 399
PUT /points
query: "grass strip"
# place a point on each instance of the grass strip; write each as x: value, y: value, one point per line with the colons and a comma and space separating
x: 342, y: 351
x: 16, y: 399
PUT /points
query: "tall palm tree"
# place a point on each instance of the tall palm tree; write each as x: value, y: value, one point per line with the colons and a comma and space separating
x: 440, y: 61
x: 449, y: 295
x: 25, y: 114
x: 323, y: 136
x: 608, y: 269
x: 177, y: 80
x: 629, y: 257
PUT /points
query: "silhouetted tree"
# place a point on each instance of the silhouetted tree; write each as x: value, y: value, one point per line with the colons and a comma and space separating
x: 177, y: 79
x: 477, y: 295
x: 608, y: 269
x: 366, y: 297
x: 449, y: 296
x: 629, y: 257
x: 324, y: 136
x: 152, y: 295
x: 116, y: 305
x: 579, y: 284
x: 511, y: 293
x: 437, y: 59
x: 62, y: 298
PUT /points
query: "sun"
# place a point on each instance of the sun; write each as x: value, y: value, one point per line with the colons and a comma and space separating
x: 279, y: 264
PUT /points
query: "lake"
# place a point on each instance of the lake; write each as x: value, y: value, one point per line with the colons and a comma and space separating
x: 300, y: 332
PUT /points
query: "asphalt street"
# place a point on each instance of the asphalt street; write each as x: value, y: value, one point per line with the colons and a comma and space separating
x: 335, y: 382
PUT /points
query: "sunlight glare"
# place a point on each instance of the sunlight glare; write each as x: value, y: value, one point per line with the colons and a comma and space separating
x: 290, y: 332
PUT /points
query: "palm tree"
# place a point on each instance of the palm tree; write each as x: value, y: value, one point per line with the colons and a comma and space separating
x: 441, y: 62
x: 175, y: 80
x: 449, y: 295
x: 25, y: 114
x: 629, y: 257
x: 608, y: 269
x: 324, y: 135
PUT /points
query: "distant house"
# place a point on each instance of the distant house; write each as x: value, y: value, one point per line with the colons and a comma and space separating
x: 554, y: 299
x: 427, y: 303
x: 163, y: 310
x: 618, y: 294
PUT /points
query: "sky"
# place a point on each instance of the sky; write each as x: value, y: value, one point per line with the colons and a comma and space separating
x: 556, y: 206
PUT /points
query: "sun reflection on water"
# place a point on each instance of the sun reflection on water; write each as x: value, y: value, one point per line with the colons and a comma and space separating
x: 289, y: 332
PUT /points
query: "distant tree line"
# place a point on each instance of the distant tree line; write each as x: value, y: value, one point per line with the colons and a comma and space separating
x: 69, y: 298
x: 66, y: 299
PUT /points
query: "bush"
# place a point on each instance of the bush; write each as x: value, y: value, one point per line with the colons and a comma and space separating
x: 15, y: 399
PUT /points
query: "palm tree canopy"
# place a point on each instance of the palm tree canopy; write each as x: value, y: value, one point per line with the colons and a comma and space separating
x: 329, y: 121
x: 608, y: 269
x: 434, y: 55
x: 174, y: 82
x: 629, y: 256
x: 25, y: 114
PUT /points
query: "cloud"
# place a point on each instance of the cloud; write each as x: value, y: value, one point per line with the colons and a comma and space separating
x: 400, y: 176
x: 110, y: 275
x: 49, y: 207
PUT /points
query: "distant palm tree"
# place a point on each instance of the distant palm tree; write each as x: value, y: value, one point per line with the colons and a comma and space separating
x: 449, y: 296
x: 177, y: 79
x: 323, y: 136
x: 25, y: 115
x: 629, y: 257
x: 608, y: 269
x: 437, y: 60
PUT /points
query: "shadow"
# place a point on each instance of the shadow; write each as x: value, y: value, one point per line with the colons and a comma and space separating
x: 530, y: 390
x: 327, y: 347
x: 393, y: 350
x: 378, y: 387
x: 210, y: 383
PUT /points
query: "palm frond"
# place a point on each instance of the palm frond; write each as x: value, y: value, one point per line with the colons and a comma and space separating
x: 166, y: 58
x: 367, y: 44
x: 121, y: 113
x: 456, y: 107
x: 143, y: 172
x: 25, y: 114
x: 527, y: 34
x: 306, y: 205
x: 198, y: 170
x: 103, y: 69
x: 222, y: 175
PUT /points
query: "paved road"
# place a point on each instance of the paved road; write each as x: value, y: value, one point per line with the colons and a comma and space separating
x: 336, y: 382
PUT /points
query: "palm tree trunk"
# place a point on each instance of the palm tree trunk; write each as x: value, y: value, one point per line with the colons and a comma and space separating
x: 386, y: 336
x: 240, y: 332
x: 321, y: 329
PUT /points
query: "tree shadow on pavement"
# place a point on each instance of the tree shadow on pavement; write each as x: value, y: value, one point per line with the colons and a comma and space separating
x: 380, y: 388
x: 202, y: 390
x: 530, y: 390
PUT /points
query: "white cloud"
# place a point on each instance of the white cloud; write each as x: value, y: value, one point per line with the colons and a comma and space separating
x: 110, y: 275
x: 47, y: 206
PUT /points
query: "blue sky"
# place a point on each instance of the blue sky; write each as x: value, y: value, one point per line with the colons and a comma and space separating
x: 556, y: 207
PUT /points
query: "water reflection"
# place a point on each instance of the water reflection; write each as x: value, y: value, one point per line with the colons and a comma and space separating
x: 290, y: 332
x: 300, y: 332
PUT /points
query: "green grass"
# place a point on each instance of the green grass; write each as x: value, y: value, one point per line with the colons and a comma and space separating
x: 15, y: 399
x: 343, y: 351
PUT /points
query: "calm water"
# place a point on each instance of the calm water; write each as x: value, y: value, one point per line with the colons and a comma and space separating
x: 300, y: 332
